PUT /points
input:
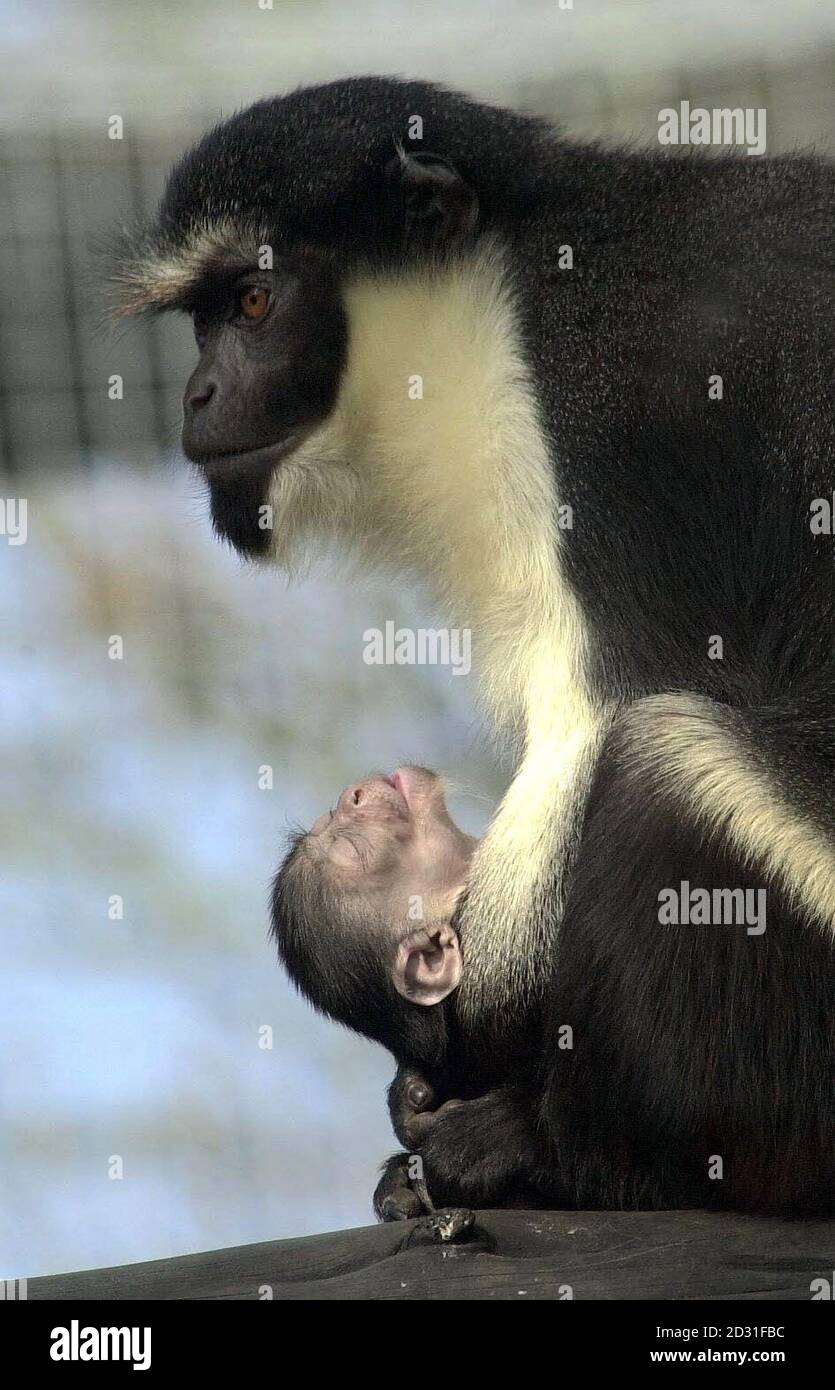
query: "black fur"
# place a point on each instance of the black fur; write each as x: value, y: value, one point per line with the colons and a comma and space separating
x: 689, y: 1042
x: 312, y: 166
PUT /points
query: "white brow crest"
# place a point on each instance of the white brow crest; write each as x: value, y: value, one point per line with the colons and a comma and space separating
x: 160, y: 272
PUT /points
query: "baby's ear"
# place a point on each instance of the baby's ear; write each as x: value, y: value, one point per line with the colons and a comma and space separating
x: 427, y: 966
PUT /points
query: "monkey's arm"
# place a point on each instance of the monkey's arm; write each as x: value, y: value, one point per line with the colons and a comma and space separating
x: 486, y: 1152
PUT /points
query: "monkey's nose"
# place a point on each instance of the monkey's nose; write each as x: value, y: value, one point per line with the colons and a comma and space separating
x: 352, y: 796
x: 371, y: 792
x: 195, y: 400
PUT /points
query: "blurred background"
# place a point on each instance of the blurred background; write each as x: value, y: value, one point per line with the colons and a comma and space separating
x: 138, y: 1035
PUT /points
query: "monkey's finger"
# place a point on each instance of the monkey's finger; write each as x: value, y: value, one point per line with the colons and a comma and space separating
x: 420, y: 1095
x: 419, y: 1126
x: 402, y: 1205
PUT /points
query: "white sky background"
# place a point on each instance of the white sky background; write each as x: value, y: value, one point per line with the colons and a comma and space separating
x: 69, y: 61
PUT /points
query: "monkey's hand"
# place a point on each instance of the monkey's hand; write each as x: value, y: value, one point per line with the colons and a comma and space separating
x: 414, y: 1106
x: 488, y: 1152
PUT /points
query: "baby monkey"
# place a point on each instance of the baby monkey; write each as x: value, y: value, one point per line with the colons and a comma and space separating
x: 362, y: 910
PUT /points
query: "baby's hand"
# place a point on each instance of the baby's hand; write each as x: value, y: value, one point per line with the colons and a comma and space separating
x: 413, y: 1106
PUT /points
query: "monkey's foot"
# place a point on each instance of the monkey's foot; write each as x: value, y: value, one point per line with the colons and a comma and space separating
x: 399, y: 1197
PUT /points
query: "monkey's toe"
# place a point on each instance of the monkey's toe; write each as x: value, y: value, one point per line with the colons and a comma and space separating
x: 402, y: 1205
x: 397, y: 1197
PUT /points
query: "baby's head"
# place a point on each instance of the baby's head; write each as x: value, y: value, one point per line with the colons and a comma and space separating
x: 362, y: 904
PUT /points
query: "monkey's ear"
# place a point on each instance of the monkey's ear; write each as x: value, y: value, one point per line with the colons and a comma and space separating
x: 427, y: 966
x: 435, y: 202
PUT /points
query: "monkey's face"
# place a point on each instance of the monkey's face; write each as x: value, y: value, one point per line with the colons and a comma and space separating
x: 272, y: 347
x: 329, y: 188
x: 390, y: 854
x: 393, y: 839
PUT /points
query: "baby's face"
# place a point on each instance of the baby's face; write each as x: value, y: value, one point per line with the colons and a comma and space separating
x: 392, y: 838
x: 375, y: 879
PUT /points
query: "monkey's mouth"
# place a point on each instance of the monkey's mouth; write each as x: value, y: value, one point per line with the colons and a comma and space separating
x: 247, y: 463
x: 417, y: 786
x: 397, y: 782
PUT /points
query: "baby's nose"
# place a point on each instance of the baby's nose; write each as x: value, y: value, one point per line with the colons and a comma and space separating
x: 369, y: 790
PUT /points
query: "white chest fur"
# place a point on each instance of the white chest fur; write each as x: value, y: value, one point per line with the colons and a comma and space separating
x: 434, y: 461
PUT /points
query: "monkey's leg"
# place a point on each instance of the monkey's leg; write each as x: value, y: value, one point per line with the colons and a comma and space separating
x: 690, y: 1054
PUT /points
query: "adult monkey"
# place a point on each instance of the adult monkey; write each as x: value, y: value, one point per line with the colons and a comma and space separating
x: 609, y: 479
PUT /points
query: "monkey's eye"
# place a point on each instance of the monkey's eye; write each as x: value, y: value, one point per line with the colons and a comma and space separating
x: 254, y: 302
